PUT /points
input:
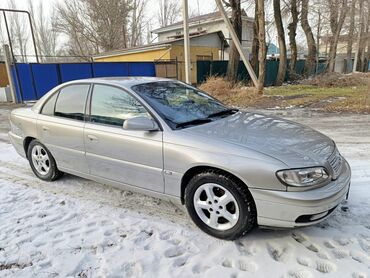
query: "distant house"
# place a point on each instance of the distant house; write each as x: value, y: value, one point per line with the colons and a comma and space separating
x: 209, y: 40
x: 209, y: 23
x: 272, y: 49
x: 169, y: 54
x: 341, y: 57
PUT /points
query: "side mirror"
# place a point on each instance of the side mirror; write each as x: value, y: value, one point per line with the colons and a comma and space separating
x: 140, y: 123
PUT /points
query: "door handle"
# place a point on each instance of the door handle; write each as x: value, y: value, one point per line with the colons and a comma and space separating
x: 45, y: 128
x: 92, y: 137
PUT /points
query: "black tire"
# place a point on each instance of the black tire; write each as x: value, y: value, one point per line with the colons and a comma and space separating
x: 247, y: 210
x: 53, y: 172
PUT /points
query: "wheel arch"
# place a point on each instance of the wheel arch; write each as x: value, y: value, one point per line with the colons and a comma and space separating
x: 191, y: 172
x: 26, y: 143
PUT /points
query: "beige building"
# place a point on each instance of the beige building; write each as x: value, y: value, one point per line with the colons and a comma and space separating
x: 168, y: 55
x: 209, y: 23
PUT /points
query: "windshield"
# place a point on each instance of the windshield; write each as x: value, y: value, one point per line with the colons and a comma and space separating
x: 180, y: 105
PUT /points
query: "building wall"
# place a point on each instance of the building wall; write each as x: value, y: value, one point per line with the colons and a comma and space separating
x: 144, y: 56
x: 215, y: 26
x: 177, y: 52
x: 3, y: 76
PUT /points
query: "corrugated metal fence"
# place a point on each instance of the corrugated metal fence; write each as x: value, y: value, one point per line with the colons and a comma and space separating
x: 33, y: 80
x: 219, y: 68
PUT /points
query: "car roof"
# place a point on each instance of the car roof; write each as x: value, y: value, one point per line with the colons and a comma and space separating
x: 123, y: 81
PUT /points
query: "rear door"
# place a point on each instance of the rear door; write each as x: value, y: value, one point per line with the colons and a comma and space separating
x: 60, y: 127
x: 132, y: 157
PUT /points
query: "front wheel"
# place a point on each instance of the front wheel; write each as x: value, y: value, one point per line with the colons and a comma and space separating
x: 42, y: 162
x: 220, y: 205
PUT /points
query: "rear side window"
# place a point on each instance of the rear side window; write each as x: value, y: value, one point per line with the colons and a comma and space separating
x: 48, y: 108
x: 71, y: 102
x: 112, y: 106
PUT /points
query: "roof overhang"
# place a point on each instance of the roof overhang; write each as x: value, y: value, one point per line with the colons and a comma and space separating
x: 133, y: 50
x: 179, y: 25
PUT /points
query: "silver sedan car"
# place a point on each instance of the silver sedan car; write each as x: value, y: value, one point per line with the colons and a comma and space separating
x: 233, y: 170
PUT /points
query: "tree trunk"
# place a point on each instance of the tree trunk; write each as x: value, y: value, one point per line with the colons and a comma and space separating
x: 318, y: 35
x: 309, y: 67
x: 363, y: 42
x: 350, y: 37
x: 282, y: 46
x: 292, y: 27
x: 368, y: 39
x: 336, y: 24
x: 255, y: 43
x: 262, y: 45
x: 234, y: 56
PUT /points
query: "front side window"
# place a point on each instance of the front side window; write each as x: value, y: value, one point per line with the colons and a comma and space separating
x: 71, y: 102
x: 112, y: 106
x: 179, y: 104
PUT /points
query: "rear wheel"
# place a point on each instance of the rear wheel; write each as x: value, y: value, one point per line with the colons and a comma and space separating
x: 220, y: 205
x: 42, y: 162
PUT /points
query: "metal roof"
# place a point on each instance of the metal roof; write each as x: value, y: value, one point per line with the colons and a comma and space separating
x: 215, y: 16
x: 153, y: 46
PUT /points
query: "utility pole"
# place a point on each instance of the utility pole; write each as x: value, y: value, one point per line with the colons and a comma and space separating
x: 186, y: 40
x: 237, y: 43
x: 8, y: 63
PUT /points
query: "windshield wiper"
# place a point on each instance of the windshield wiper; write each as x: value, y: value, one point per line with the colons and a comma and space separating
x: 194, y: 122
x: 223, y: 112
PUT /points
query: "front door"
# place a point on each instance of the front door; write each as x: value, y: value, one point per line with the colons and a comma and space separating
x: 60, y: 127
x: 130, y: 157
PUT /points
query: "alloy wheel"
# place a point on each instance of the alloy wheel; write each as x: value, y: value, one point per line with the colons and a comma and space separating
x: 40, y: 160
x: 216, y: 206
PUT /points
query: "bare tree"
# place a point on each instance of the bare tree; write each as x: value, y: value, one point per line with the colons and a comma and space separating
x: 282, y: 46
x: 45, y: 32
x: 255, y: 42
x: 93, y: 26
x: 350, y: 36
x: 234, y: 56
x: 262, y: 45
x: 137, y: 24
x: 19, y: 32
x: 309, y: 68
x: 292, y: 27
x: 337, y: 12
x: 364, y: 31
x: 3, y: 41
x: 169, y: 11
x: 367, y: 57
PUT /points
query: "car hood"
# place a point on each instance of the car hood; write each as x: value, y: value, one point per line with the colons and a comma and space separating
x: 291, y: 143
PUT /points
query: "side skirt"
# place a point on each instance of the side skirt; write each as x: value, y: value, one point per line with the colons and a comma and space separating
x: 169, y: 198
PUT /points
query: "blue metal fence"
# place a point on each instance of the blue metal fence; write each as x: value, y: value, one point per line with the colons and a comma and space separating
x: 33, y: 80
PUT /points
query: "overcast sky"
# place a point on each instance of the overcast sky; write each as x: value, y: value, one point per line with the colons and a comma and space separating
x: 204, y: 6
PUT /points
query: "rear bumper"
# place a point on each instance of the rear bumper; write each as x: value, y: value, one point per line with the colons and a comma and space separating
x: 293, y: 209
x: 17, y: 142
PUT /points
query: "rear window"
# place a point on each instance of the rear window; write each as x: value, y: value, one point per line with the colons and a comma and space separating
x: 48, y: 108
x: 71, y: 102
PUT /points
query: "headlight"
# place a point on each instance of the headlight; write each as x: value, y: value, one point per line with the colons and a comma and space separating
x: 303, y: 177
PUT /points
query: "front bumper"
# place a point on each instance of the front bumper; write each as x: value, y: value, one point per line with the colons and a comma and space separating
x: 293, y: 209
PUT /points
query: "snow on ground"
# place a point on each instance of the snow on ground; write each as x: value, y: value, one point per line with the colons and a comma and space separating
x: 79, y: 228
